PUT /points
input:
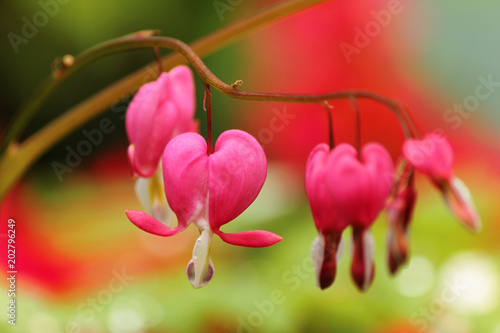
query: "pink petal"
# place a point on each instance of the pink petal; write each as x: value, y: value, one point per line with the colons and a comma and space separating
x: 378, y: 164
x: 237, y: 171
x: 185, y: 176
x: 253, y: 238
x: 150, y: 224
x: 152, y: 138
x: 320, y: 199
x: 160, y: 110
x: 181, y: 91
x: 432, y: 155
x: 131, y: 160
x: 360, y: 188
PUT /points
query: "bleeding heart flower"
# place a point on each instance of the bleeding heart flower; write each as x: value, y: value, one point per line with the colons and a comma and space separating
x: 433, y: 156
x: 326, y: 249
x: 160, y: 110
x: 346, y: 189
x: 210, y: 191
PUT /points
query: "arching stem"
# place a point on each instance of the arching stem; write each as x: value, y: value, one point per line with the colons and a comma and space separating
x: 207, y: 105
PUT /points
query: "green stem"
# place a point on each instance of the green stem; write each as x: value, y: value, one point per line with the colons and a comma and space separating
x: 59, y: 75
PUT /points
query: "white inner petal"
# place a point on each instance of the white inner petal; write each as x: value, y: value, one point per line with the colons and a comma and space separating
x: 369, y: 252
x: 162, y: 212
x: 201, y: 257
x: 317, y: 253
x: 141, y: 188
x: 341, y: 249
x: 461, y: 204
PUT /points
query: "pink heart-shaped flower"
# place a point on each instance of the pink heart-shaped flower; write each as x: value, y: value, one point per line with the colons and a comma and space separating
x: 211, y: 190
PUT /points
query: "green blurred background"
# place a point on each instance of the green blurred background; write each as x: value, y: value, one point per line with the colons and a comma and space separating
x: 83, y: 267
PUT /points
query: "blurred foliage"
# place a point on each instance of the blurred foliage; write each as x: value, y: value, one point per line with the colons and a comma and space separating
x: 77, y: 235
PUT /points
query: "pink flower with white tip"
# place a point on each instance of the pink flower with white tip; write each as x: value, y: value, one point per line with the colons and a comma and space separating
x: 346, y: 189
x: 210, y: 190
x: 159, y: 111
x: 327, y: 247
x: 433, y: 156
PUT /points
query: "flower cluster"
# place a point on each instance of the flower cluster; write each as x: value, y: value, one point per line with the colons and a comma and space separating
x: 346, y: 187
x: 180, y: 173
x: 200, y: 187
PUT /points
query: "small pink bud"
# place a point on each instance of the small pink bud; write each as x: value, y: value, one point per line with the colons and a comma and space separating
x: 159, y: 110
x: 433, y: 156
x: 399, y: 213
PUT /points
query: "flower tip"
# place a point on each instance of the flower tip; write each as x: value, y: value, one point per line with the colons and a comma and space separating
x: 473, y: 224
x: 200, y: 268
x: 326, y: 252
x: 395, y: 263
x: 460, y: 203
x: 362, y: 266
x: 327, y: 274
x: 362, y: 278
x: 205, y: 278
x: 326, y: 281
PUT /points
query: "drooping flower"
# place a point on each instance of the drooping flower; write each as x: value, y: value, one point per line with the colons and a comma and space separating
x: 210, y: 191
x: 346, y: 189
x: 159, y: 111
x: 326, y: 249
x: 433, y: 156
x: 399, y: 213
